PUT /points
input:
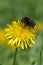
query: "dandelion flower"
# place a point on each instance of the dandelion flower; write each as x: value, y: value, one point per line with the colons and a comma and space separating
x: 21, y: 34
x: 3, y: 38
x: 39, y: 26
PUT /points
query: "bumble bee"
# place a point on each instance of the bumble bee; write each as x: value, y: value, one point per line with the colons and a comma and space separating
x: 28, y: 22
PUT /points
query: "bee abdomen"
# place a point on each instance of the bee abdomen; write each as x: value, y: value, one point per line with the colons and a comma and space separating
x: 28, y: 22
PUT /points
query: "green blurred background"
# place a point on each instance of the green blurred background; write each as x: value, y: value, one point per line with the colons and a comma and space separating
x: 11, y: 10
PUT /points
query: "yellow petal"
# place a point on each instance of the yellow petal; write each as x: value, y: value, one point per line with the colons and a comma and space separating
x: 18, y: 44
x: 30, y: 45
x: 32, y: 40
x: 15, y: 41
x: 10, y: 41
x: 22, y: 45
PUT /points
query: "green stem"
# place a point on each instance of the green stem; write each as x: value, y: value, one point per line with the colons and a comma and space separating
x: 15, y: 55
x: 40, y: 57
x: 41, y: 50
x: 42, y: 42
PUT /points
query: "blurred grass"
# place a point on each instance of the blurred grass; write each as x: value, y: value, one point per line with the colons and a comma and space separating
x: 13, y: 10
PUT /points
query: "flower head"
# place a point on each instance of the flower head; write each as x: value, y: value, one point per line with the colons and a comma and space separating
x: 39, y: 26
x: 3, y: 38
x: 21, y: 34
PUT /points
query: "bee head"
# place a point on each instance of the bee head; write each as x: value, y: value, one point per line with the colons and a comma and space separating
x: 28, y: 22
